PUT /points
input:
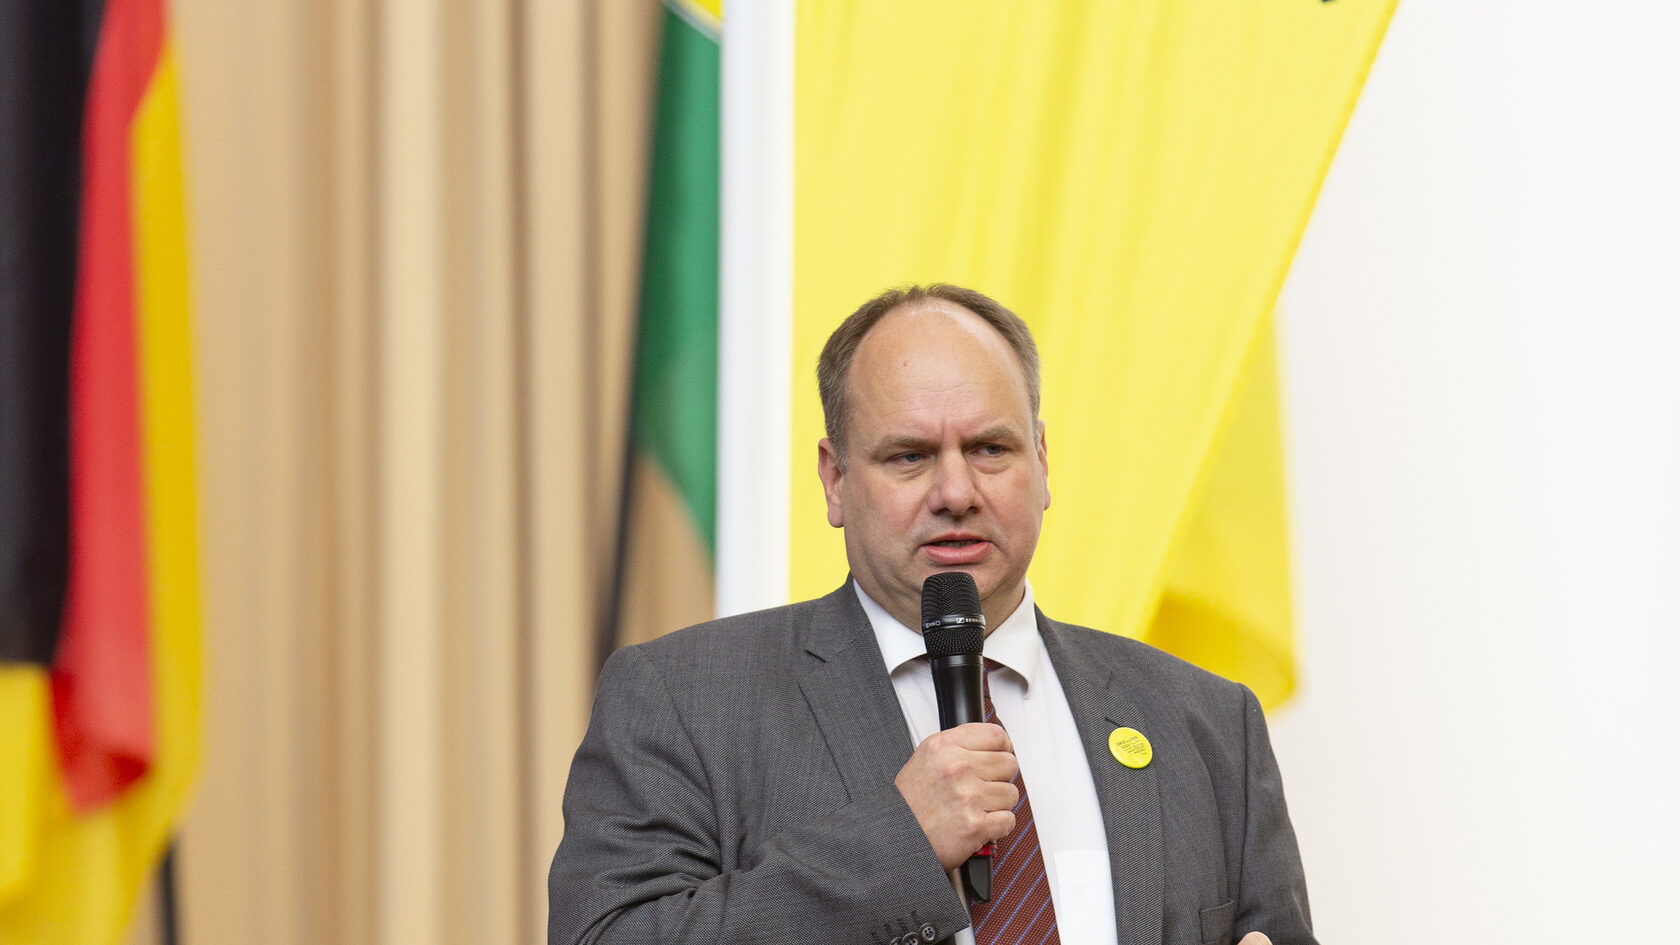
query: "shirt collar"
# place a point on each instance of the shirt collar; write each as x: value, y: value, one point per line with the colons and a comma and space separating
x: 1014, y: 643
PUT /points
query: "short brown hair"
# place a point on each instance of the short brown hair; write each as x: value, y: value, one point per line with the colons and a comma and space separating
x: 835, y: 363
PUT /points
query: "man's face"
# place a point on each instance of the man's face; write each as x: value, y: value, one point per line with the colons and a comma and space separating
x: 945, y: 464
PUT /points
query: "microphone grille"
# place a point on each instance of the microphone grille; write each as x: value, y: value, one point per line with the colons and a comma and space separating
x: 949, y: 592
x: 952, y: 594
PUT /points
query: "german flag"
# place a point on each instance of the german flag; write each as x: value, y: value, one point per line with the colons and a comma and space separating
x: 99, y: 606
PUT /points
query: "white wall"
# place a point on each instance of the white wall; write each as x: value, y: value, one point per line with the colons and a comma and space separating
x: 1481, y: 344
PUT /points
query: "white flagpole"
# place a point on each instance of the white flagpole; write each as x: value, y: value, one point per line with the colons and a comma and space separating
x: 755, y: 307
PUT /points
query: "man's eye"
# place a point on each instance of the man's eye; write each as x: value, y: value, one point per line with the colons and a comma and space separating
x: 993, y: 449
x: 908, y: 458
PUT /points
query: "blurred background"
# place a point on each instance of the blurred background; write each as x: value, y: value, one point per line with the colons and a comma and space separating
x: 1406, y: 465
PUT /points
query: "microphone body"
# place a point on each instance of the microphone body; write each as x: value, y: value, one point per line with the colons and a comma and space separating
x: 957, y: 687
x: 954, y: 630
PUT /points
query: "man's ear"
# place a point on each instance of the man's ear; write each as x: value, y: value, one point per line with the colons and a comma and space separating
x: 830, y: 472
x: 1044, y: 462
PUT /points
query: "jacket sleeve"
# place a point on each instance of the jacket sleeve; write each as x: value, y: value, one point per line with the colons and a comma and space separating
x: 641, y: 859
x: 1272, y: 897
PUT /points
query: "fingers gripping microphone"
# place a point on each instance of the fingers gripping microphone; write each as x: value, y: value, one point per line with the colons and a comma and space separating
x: 955, y: 632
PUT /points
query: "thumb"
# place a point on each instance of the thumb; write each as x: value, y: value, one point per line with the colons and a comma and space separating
x: 1255, y: 938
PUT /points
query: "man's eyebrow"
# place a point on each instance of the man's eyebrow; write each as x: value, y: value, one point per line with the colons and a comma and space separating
x: 892, y: 443
x: 997, y: 434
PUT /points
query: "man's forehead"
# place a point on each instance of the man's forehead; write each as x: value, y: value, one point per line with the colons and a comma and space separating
x: 931, y: 327
x: 935, y: 348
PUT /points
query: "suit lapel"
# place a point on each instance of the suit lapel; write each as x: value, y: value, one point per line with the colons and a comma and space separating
x: 846, y: 685
x: 1130, y: 798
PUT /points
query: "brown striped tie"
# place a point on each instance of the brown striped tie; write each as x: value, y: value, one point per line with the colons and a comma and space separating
x: 1020, y: 912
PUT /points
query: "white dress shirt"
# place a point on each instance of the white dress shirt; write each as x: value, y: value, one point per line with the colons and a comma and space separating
x: 1057, y: 775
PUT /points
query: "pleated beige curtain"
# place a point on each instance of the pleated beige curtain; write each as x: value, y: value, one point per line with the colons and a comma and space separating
x: 416, y: 228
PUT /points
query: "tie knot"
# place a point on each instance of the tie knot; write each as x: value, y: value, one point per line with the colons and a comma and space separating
x: 986, y: 682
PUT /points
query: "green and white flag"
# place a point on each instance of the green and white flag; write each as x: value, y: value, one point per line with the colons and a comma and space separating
x: 671, y: 521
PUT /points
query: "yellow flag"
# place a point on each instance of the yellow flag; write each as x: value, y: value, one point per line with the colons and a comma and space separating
x: 1132, y: 178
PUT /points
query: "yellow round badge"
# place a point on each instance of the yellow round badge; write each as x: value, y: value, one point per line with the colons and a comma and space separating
x: 1130, y: 747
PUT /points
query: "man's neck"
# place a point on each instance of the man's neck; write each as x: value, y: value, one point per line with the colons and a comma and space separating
x: 993, y: 620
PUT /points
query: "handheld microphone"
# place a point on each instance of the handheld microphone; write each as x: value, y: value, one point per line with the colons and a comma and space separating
x: 954, y: 630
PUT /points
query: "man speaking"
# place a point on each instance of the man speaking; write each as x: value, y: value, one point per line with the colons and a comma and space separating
x: 782, y: 776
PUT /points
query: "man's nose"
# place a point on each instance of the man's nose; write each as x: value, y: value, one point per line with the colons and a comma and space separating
x: 954, y: 490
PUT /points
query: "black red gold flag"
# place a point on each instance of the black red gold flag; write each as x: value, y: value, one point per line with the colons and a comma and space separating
x: 99, y: 612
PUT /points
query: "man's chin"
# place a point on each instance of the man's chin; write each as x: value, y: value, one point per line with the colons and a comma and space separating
x: 982, y: 580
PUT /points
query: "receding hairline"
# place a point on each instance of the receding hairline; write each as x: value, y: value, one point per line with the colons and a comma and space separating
x: 834, y: 365
x: 954, y: 313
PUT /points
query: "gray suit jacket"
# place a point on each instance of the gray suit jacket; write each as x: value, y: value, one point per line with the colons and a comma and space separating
x: 736, y: 786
